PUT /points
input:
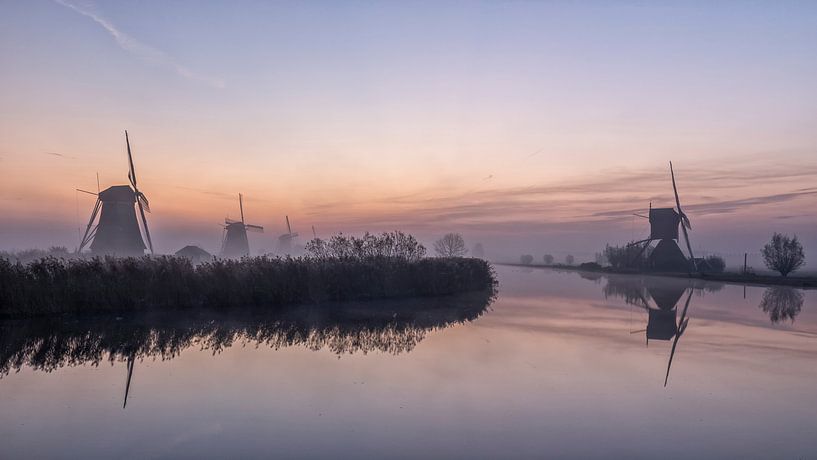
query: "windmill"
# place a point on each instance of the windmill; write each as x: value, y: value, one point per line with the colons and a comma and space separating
x: 235, y: 243
x: 117, y: 231
x: 667, y: 255
x: 285, y: 240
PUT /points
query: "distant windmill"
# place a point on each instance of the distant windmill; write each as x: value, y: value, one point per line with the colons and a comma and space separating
x: 117, y: 231
x: 667, y: 255
x: 235, y: 243
x: 285, y: 240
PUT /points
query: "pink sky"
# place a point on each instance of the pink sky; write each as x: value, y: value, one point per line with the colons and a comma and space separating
x: 530, y: 128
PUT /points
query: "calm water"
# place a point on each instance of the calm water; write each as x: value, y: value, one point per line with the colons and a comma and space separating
x: 558, y: 366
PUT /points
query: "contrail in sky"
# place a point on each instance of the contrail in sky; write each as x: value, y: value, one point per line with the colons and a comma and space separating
x: 142, y: 51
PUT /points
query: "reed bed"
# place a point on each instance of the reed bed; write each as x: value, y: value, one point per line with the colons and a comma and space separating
x: 50, y: 285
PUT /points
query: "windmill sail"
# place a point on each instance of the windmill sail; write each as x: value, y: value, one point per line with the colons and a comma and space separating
x: 682, y: 326
x: 141, y: 200
x: 685, y: 224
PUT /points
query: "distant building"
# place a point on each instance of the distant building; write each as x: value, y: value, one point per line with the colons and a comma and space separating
x: 195, y: 254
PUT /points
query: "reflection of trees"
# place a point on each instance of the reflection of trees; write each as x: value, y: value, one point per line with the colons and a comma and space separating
x: 781, y: 303
x: 387, y: 326
x: 629, y: 288
x: 634, y: 289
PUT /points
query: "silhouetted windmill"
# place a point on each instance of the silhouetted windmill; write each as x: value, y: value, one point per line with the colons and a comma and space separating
x: 117, y: 231
x: 285, y: 240
x: 667, y: 255
x: 235, y: 243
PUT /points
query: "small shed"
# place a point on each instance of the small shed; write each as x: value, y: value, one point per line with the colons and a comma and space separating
x: 195, y: 254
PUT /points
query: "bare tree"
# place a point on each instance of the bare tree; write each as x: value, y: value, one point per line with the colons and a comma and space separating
x: 570, y: 259
x: 450, y: 245
x: 548, y: 259
x: 783, y: 254
x: 526, y: 259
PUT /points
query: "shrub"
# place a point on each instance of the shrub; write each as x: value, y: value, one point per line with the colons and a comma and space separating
x: 629, y: 256
x: 716, y: 264
x: 591, y: 266
x: 388, y: 244
x: 526, y: 259
x: 783, y: 254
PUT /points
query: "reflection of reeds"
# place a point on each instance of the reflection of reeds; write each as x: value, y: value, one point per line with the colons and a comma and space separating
x: 55, y: 286
x: 393, y: 326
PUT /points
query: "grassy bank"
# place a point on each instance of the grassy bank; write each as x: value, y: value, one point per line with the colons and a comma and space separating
x: 58, y: 286
x: 804, y: 282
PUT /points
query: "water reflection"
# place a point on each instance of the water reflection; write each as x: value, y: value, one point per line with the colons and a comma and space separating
x: 391, y: 327
x: 781, y: 303
x: 660, y: 298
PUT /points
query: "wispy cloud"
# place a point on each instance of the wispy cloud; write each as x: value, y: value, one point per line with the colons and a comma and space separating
x: 144, y: 52
x: 61, y: 155
x: 585, y: 204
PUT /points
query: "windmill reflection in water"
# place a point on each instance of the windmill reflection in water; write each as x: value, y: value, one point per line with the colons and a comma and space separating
x: 660, y: 298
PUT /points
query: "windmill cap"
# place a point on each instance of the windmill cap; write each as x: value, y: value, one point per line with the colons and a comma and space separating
x: 118, y: 193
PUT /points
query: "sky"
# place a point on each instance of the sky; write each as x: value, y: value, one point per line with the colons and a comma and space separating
x: 531, y: 127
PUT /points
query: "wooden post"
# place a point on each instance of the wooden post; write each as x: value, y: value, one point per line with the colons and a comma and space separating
x: 745, y: 256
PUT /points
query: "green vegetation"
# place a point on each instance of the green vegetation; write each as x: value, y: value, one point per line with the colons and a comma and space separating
x: 56, y: 286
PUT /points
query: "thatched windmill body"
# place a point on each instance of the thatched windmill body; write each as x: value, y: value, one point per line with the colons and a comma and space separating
x: 235, y: 243
x: 117, y: 232
x: 664, y: 222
